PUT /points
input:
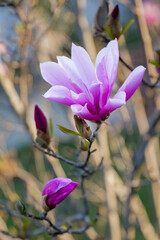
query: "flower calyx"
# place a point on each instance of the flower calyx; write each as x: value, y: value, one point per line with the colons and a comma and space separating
x: 44, y: 204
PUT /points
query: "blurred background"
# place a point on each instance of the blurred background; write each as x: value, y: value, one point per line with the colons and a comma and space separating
x: 34, y: 31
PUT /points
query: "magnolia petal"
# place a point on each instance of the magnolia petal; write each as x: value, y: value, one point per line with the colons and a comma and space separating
x: 133, y: 81
x: 64, y: 192
x: 83, y: 112
x: 81, y: 98
x: 113, y: 103
x: 69, y: 67
x: 96, y: 96
x: 84, y: 64
x: 55, y: 75
x: 59, y: 94
x: 107, y: 64
x: 55, y: 185
x: 117, y: 101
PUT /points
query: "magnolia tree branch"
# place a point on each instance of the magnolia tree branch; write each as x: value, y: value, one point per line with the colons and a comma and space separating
x: 12, y: 236
x: 50, y: 228
x: 84, y: 172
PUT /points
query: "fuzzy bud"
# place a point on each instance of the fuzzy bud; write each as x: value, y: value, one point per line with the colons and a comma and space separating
x: 84, y: 144
x: 82, y: 127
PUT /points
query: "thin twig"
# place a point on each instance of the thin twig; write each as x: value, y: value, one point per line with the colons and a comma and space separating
x: 13, y: 236
x: 84, y: 196
x: 90, y: 144
x: 149, y: 84
x: 42, y: 218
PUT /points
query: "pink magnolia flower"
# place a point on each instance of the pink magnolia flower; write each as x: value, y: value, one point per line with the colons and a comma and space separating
x: 56, y: 190
x: 76, y: 83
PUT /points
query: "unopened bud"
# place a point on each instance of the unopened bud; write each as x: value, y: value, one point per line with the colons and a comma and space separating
x: 84, y: 144
x: 40, y: 119
x: 113, y: 22
x: 43, y: 137
x: 82, y: 127
x: 20, y: 207
x: 101, y: 16
x: 115, y: 12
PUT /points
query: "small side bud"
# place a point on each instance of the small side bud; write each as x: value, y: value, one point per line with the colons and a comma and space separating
x: 82, y: 127
x: 115, y: 13
x: 43, y: 137
x: 84, y: 144
x: 113, y: 22
x: 20, y: 207
x: 40, y: 119
x: 101, y: 16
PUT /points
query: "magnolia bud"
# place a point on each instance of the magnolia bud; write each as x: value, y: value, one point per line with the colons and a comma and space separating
x: 40, y: 119
x: 101, y: 16
x: 84, y: 144
x: 82, y: 127
x: 55, y: 191
x: 20, y: 207
x: 113, y: 22
x: 43, y: 138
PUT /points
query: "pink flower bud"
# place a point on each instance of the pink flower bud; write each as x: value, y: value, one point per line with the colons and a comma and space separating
x: 115, y: 12
x: 55, y: 191
x: 113, y: 22
x: 43, y: 137
x: 40, y: 119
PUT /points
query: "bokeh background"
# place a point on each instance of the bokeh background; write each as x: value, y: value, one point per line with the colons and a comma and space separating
x: 34, y: 31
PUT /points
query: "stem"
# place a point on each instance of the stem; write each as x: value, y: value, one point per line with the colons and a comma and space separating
x: 149, y: 84
x: 43, y: 218
x: 91, y: 140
